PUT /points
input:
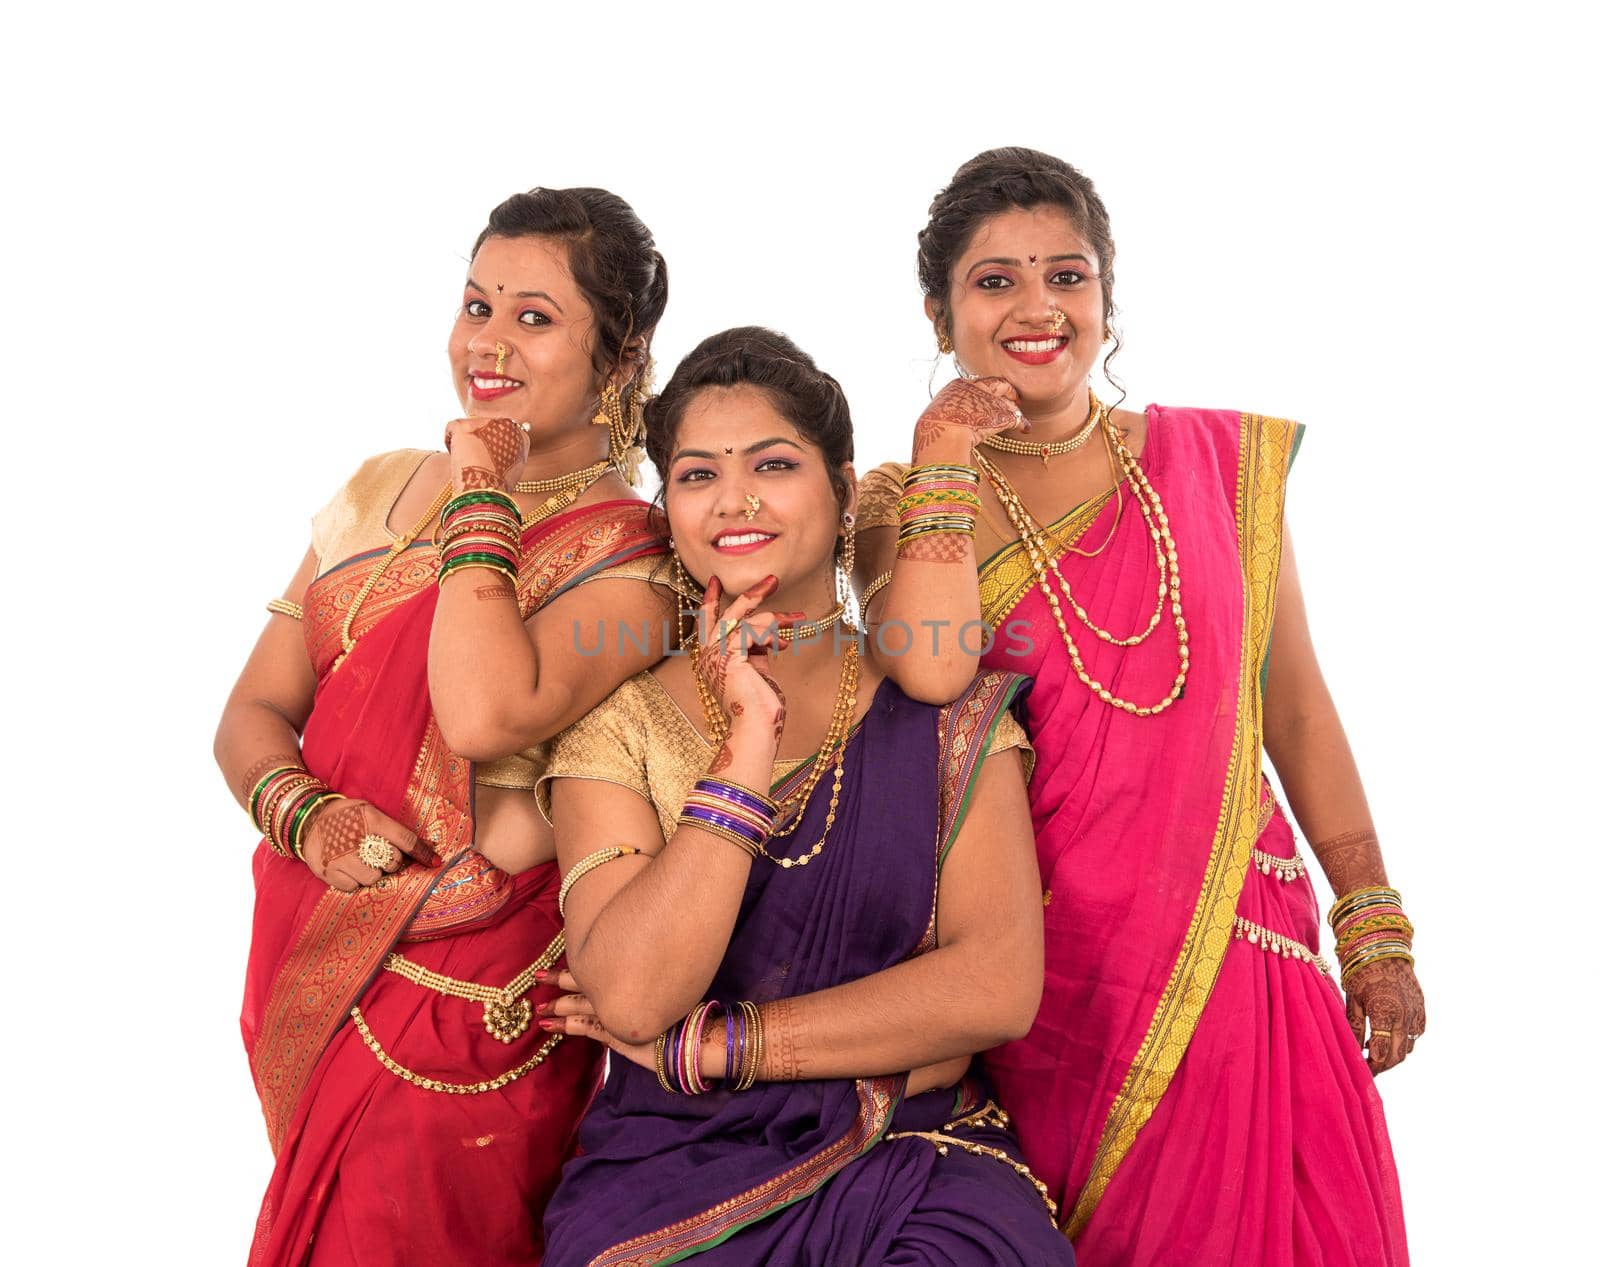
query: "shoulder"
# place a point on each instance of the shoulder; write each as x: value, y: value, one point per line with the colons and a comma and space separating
x: 367, y: 496
x: 1227, y: 424
x: 877, y: 495
x: 608, y: 743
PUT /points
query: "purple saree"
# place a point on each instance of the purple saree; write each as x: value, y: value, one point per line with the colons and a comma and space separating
x: 802, y: 1172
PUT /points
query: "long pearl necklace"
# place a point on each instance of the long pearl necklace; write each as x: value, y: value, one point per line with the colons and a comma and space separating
x: 1044, y: 565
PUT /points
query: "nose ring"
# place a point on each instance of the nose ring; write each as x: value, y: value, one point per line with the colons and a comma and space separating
x: 1057, y: 320
x: 501, y: 351
x: 754, y: 503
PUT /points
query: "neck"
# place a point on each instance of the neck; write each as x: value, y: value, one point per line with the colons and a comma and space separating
x: 556, y: 455
x: 1057, y: 418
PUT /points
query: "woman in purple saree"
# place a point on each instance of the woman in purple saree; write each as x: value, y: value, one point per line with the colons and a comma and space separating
x: 896, y: 928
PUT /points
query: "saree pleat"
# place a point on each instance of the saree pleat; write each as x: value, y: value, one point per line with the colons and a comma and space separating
x: 371, y: 1169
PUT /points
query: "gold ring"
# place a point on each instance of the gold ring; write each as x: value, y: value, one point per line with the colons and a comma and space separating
x: 377, y: 852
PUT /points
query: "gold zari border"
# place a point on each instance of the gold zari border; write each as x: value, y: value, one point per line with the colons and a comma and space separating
x: 1008, y: 573
x: 1265, y: 446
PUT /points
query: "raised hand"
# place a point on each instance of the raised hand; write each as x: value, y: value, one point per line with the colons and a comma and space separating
x: 964, y: 413
x: 334, y: 840
x: 732, y: 658
x: 486, y: 452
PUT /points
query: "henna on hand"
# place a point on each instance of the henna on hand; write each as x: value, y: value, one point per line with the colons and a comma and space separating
x: 780, y: 1059
x: 723, y: 759
x: 505, y: 443
x: 1388, y: 994
x: 339, y: 831
x: 963, y: 403
x: 473, y: 478
x: 1351, y: 860
x: 935, y: 547
x: 273, y: 761
x: 487, y: 592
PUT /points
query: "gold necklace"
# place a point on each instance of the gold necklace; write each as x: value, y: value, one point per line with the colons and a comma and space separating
x: 791, y: 810
x: 401, y: 544
x: 583, y: 481
x: 1044, y: 564
x: 1052, y: 448
x: 557, y: 483
x: 810, y: 629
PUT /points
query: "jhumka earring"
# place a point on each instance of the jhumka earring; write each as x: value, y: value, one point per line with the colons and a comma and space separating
x: 610, y: 403
x: 754, y: 503
x: 945, y: 344
x: 501, y: 351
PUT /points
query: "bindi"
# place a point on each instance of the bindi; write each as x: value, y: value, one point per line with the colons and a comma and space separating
x: 1033, y: 259
x: 500, y: 288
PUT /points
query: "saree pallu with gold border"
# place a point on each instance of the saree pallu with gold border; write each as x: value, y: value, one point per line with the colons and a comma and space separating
x: 805, y: 1173
x: 371, y: 1168
x: 1188, y: 1096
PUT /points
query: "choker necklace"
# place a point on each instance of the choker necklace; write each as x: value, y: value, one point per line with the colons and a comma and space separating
x: 1051, y: 449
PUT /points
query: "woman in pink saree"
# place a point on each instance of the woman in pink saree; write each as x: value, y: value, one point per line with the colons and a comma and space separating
x: 1194, y: 1089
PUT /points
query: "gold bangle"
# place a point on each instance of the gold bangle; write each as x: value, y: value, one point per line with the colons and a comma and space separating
x: 283, y: 607
x: 586, y: 864
x: 661, y: 1064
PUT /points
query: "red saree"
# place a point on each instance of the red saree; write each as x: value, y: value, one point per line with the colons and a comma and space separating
x: 371, y: 1170
x: 1188, y: 1097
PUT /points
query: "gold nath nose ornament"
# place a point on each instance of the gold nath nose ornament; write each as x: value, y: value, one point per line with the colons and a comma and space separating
x: 501, y: 351
x: 1057, y: 320
x: 754, y: 503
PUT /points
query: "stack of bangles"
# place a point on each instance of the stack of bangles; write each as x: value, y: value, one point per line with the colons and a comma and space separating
x: 678, y: 1051
x: 731, y: 811
x: 282, y: 805
x: 1369, y: 927
x: 480, y: 528
x: 939, y: 499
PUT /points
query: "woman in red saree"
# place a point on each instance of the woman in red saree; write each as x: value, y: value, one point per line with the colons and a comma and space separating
x: 1193, y: 1090
x: 407, y: 900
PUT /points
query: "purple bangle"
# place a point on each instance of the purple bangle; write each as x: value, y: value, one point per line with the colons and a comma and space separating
x: 728, y: 1010
x: 726, y: 821
x: 736, y: 794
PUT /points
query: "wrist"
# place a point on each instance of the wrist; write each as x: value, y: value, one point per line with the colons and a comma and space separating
x: 954, y: 444
x: 714, y: 1051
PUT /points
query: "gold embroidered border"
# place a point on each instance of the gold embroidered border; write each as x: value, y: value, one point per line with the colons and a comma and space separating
x: 1264, y: 449
x: 1008, y: 574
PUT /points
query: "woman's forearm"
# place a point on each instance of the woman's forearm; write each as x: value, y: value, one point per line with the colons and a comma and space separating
x: 650, y: 953
x: 948, y: 1004
x: 253, y: 738
x: 927, y: 622
x: 483, y: 671
x: 1322, y: 785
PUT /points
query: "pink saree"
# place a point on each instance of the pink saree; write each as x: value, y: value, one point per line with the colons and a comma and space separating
x: 1189, y: 1096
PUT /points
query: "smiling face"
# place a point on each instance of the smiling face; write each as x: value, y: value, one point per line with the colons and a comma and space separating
x: 1026, y: 304
x: 521, y: 296
x: 734, y: 446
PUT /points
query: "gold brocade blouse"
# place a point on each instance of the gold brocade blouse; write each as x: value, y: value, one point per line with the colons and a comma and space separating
x: 356, y: 521
x: 639, y: 738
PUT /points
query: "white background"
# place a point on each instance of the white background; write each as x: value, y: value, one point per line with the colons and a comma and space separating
x: 234, y: 242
